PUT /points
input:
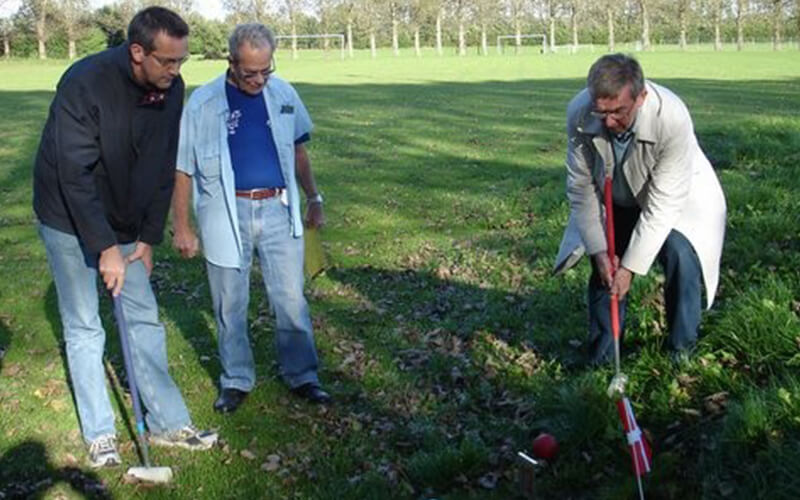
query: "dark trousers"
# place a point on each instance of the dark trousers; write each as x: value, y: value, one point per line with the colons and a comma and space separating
x: 682, y: 295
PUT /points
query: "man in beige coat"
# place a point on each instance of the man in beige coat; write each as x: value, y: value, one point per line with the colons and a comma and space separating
x: 668, y: 203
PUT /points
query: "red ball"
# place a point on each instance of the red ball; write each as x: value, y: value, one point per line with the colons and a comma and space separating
x: 545, y: 446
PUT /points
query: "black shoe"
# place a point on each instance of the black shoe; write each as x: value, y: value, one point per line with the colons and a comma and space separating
x: 229, y: 400
x: 313, y: 393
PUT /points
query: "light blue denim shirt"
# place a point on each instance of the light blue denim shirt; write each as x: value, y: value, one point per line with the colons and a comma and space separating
x: 203, y: 154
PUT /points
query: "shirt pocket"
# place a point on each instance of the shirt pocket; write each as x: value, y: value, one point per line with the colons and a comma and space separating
x: 209, y: 172
x: 284, y: 126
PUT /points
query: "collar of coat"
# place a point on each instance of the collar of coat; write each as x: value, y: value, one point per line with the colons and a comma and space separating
x: 644, y: 127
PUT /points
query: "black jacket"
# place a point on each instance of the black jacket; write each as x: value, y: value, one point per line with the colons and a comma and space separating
x: 105, y: 168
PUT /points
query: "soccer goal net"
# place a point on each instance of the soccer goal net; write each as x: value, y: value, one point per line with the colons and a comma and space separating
x: 321, y: 43
x: 504, y: 40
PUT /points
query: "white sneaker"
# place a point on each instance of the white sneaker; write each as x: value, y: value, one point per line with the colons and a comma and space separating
x: 189, y: 438
x: 103, y: 452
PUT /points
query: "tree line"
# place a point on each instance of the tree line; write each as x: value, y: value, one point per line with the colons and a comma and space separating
x: 70, y: 28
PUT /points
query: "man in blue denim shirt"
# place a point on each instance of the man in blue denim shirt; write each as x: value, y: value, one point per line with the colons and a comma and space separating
x: 242, y: 143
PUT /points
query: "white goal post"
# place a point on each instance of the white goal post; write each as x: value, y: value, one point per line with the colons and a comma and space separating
x: 339, y: 37
x: 507, y: 37
x: 572, y: 49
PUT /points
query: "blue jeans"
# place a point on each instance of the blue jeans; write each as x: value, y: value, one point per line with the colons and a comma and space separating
x: 265, y: 229
x: 75, y: 273
x: 682, y: 291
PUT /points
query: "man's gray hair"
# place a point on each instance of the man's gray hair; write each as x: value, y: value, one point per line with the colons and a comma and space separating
x: 255, y: 34
x: 611, y: 73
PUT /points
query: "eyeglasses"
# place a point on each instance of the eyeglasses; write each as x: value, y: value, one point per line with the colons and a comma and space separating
x: 617, y: 114
x: 169, y: 62
x: 249, y: 76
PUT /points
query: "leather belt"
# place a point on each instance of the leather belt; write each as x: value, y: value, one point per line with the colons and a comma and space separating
x: 259, y: 194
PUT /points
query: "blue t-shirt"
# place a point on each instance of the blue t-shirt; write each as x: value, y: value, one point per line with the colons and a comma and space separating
x: 253, y: 155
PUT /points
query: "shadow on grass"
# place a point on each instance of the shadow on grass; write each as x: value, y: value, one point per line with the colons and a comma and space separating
x: 20, y: 133
x: 458, y: 361
x: 26, y: 472
x: 423, y: 299
x: 5, y: 342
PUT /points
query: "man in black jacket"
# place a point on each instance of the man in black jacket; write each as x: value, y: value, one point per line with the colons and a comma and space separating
x: 103, y: 181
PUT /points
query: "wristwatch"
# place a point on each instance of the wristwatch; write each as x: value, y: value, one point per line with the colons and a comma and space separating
x: 317, y: 198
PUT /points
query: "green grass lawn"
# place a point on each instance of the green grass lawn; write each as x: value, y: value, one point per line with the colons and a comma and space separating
x: 444, y: 338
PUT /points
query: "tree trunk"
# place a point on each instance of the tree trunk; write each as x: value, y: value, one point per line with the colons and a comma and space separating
x: 518, y: 39
x: 439, y: 32
x: 395, y: 41
x: 573, y: 18
x: 610, y: 17
x: 645, y: 25
x: 6, y: 48
x: 41, y: 34
x: 294, y: 38
x: 350, y: 37
x: 462, y: 40
x: 740, y: 5
x: 372, y: 45
x: 484, y: 44
x: 323, y: 22
x: 777, y: 18
x: 717, y: 6
x: 71, y: 23
x: 682, y: 15
x: 551, y: 25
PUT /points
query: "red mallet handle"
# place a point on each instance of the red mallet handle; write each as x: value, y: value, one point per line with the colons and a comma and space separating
x: 612, y: 252
x: 609, y: 202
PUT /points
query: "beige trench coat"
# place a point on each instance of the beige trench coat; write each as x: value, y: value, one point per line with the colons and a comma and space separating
x: 672, y: 180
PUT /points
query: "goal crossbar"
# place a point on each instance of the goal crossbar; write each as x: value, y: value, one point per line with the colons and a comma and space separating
x: 530, y: 35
